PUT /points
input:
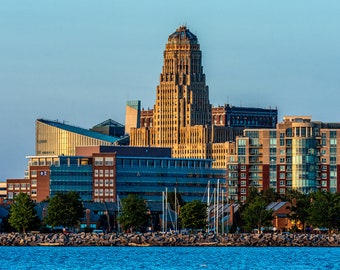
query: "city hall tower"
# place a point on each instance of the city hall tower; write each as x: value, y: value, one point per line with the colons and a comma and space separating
x: 181, y: 117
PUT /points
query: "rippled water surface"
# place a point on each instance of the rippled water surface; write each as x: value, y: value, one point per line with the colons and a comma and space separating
x: 169, y: 258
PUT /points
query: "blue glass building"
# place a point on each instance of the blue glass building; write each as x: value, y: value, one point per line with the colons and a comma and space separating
x: 148, y: 177
x: 72, y: 174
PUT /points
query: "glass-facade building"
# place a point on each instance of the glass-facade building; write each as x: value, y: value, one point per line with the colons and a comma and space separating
x: 148, y: 177
x: 72, y: 174
x: 56, y: 138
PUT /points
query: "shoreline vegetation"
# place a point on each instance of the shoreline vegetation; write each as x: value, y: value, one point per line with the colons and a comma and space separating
x: 171, y: 239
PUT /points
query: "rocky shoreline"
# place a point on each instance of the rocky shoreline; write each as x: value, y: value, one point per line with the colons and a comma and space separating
x: 168, y: 239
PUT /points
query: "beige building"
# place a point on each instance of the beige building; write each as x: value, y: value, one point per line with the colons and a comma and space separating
x: 181, y: 117
x: 132, y: 115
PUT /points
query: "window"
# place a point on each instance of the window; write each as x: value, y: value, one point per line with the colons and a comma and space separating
x: 96, y: 173
x: 33, y: 173
x: 282, y: 168
x: 10, y: 186
x: 106, y: 182
x: 243, y: 191
x: 282, y: 160
x: 101, y: 182
x: 289, y: 132
x: 241, y: 151
x: 108, y: 161
x: 243, y: 168
x: 282, y: 191
x: 111, y: 182
x: 96, y: 182
x: 111, y: 173
x: 98, y: 161
x: 243, y: 176
x: 272, y: 142
x: 282, y: 176
x: 324, y: 168
x: 33, y: 183
x: 323, y: 160
x: 243, y: 183
x: 324, y: 183
x: 106, y: 173
x: 241, y: 142
x: 282, y: 183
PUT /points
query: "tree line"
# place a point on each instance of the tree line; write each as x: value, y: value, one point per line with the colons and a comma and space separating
x: 317, y: 209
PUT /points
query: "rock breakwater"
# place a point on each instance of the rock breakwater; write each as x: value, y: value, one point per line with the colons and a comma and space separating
x: 169, y: 239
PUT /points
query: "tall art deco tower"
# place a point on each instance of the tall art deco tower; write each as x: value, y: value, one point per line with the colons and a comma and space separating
x: 182, y: 112
x: 182, y: 97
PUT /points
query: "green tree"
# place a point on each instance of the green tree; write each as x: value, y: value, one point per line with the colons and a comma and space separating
x: 134, y: 214
x: 325, y: 209
x: 270, y: 195
x: 64, y: 209
x: 193, y: 215
x: 299, y: 210
x: 255, y: 214
x: 22, y: 215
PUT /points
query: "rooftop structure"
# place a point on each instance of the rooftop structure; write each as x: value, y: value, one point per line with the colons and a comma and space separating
x: 56, y: 138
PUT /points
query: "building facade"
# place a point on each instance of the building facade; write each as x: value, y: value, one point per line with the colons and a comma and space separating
x: 299, y: 154
x: 244, y: 117
x: 132, y: 115
x: 183, y: 118
x: 56, y: 138
x: 104, y: 175
x: 182, y: 110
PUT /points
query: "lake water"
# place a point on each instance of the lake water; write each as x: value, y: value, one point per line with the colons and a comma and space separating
x: 169, y: 258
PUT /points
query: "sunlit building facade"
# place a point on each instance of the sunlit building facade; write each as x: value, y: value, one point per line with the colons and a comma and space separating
x: 299, y: 154
x: 108, y: 173
x: 132, y: 115
x: 56, y: 138
x: 183, y: 118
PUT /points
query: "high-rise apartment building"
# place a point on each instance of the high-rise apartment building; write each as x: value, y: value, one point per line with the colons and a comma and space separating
x: 299, y: 154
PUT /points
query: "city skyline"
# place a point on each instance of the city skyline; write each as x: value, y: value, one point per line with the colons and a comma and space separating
x: 69, y: 62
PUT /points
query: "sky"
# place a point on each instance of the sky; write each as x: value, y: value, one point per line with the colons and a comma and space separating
x: 80, y: 61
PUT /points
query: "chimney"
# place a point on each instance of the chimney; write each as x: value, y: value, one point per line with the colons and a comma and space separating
x: 88, y: 218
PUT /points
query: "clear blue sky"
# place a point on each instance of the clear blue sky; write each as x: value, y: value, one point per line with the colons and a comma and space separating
x: 80, y: 61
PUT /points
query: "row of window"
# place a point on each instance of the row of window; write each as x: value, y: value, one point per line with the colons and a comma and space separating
x: 18, y: 186
x: 101, y: 173
x: 101, y: 182
x: 101, y: 192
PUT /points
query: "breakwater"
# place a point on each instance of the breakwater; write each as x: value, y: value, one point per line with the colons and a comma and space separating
x: 168, y: 239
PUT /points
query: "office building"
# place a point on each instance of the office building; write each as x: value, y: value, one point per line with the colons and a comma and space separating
x: 106, y: 173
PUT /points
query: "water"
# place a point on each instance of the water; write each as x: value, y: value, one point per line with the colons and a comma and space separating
x: 169, y: 258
